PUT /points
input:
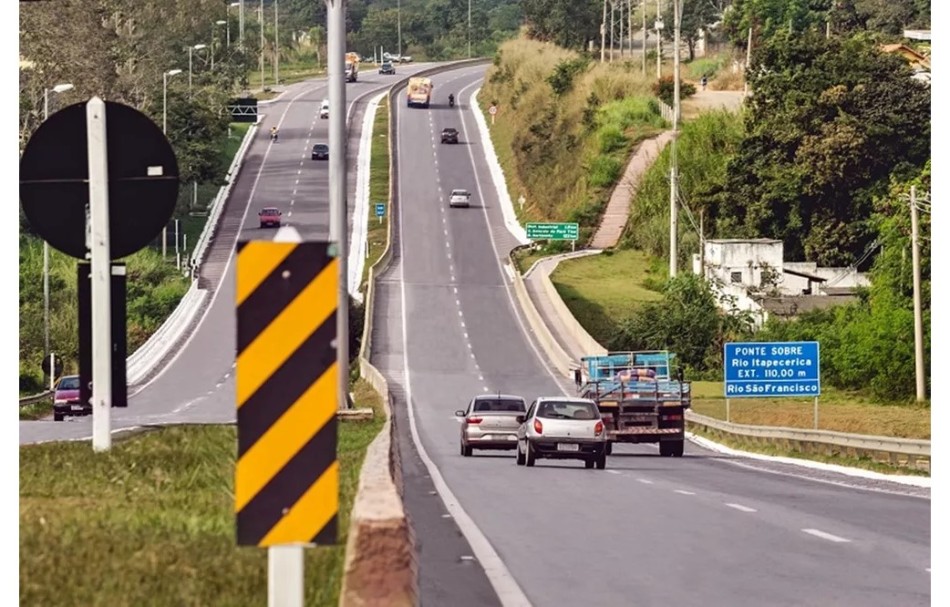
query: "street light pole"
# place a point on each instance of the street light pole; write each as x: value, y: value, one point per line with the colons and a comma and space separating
x: 59, y: 88
x: 674, y: 223
x: 276, y: 48
x: 398, y: 30
x: 241, y: 24
x: 469, y: 29
x: 196, y: 47
x: 262, y: 43
x: 213, y: 36
x: 918, y: 314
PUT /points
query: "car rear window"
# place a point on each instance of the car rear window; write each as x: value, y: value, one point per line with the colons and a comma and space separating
x: 269, y: 212
x: 512, y: 405
x: 69, y: 383
x: 568, y: 410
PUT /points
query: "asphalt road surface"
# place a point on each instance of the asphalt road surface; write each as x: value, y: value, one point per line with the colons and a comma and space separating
x: 702, y: 529
x: 197, y: 383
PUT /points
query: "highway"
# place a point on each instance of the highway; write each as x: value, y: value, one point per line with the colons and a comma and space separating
x: 197, y: 384
x: 703, y: 529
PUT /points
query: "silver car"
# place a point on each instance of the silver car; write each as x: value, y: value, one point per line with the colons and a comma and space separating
x: 490, y: 422
x: 562, y: 428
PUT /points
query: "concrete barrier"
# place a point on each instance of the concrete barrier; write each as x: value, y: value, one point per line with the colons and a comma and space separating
x: 381, y: 567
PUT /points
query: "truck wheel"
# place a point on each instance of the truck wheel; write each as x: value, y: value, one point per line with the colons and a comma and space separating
x: 610, y: 448
x: 588, y: 463
x: 57, y: 417
x: 529, y: 456
x: 676, y: 449
x: 665, y: 450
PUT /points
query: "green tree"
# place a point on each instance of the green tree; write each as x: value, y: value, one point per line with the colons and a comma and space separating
x: 567, y: 23
x: 697, y: 16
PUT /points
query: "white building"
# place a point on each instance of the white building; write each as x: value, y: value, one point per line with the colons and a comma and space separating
x: 754, y: 273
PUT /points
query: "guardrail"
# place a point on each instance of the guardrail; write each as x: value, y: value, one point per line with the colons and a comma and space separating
x: 381, y: 567
x: 898, y: 451
x: 32, y: 400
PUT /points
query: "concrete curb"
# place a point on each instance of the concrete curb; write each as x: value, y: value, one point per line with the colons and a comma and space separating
x: 381, y: 567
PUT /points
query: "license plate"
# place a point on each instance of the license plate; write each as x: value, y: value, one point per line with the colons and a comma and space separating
x: 77, y: 407
x: 512, y: 437
x: 567, y: 447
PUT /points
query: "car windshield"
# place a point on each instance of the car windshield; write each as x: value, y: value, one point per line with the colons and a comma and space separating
x: 513, y: 405
x: 269, y: 212
x: 69, y: 383
x: 568, y: 410
x: 459, y: 193
x: 320, y: 146
x: 449, y: 131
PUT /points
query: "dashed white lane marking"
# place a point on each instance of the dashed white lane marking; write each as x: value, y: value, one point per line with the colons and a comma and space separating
x: 463, y: 324
x: 465, y: 333
x: 301, y: 164
x: 227, y: 375
x: 486, y: 389
x: 482, y: 378
x: 447, y: 515
x: 290, y: 213
x: 452, y: 278
x: 644, y: 481
x: 827, y: 536
x: 298, y: 170
x: 295, y: 192
x: 219, y: 384
x: 460, y: 312
x: 297, y: 182
x: 456, y: 289
x: 472, y: 353
x: 928, y: 569
x: 466, y: 557
x: 682, y: 492
x: 614, y: 471
x: 742, y: 508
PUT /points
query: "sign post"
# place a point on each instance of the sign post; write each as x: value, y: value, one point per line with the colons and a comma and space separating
x: 286, y: 485
x: 380, y: 211
x: 492, y: 111
x: 98, y: 182
x: 772, y: 370
x: 554, y: 231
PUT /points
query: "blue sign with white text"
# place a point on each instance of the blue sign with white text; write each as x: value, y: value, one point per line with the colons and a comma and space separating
x: 772, y: 369
x: 380, y: 209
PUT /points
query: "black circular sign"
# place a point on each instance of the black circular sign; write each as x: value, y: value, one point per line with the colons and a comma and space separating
x: 143, y: 180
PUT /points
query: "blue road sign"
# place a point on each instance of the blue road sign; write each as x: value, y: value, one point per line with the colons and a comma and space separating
x: 771, y: 369
x: 380, y: 209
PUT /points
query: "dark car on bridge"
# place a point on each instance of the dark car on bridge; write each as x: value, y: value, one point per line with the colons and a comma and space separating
x: 66, y: 399
x: 450, y: 135
x: 270, y: 217
x: 387, y: 68
x: 321, y: 151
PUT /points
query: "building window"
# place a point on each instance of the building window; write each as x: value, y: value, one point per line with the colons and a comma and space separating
x: 735, y: 277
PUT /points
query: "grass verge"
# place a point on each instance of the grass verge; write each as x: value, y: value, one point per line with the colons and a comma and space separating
x: 600, y: 290
x: 151, y: 522
x: 841, y: 459
x: 376, y: 228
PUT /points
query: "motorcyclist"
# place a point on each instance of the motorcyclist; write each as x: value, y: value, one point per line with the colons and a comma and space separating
x: 273, y: 133
x: 451, y: 100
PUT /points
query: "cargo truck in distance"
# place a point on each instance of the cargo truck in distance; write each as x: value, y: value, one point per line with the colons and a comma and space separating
x: 419, y: 92
x: 352, y: 66
x: 638, y: 398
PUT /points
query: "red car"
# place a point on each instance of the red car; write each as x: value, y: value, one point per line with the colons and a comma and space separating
x: 270, y: 217
x: 66, y: 399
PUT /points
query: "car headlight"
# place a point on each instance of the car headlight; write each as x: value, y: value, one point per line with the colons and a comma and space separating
x: 59, y: 401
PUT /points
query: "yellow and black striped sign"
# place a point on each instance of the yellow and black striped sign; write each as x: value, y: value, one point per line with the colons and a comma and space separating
x: 287, y: 479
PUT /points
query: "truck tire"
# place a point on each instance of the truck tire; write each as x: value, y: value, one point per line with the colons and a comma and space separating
x: 589, y: 463
x: 58, y: 417
x: 671, y: 448
x: 678, y: 448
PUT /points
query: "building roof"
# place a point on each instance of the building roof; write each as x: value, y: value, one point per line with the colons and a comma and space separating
x: 917, y: 34
x: 807, y: 275
x: 908, y: 53
x: 800, y: 304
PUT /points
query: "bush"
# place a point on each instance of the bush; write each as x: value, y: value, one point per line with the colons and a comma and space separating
x: 664, y: 90
x: 604, y: 171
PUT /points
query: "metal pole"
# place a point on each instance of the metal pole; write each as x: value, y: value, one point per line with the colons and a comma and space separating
x: 674, y: 220
x: 603, y: 33
x: 285, y: 576
x: 46, y: 259
x: 612, y: 5
x: 918, y: 314
x: 816, y: 413
x: 165, y: 102
x: 336, y: 34
x: 213, y: 34
x: 262, y: 44
x: 176, y: 236
x: 101, y: 272
x: 630, y: 27
x: 190, y: 50
x: 727, y: 410
x: 276, y: 48
x: 748, y: 60
x: 241, y: 24
x: 228, y: 27
x: 52, y: 371
x: 398, y: 30
x: 469, y: 29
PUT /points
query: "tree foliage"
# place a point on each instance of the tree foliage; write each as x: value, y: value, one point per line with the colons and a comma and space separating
x: 697, y: 16
x: 567, y: 23
x: 829, y: 120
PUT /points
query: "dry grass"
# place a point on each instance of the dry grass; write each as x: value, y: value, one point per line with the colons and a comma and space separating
x: 376, y: 237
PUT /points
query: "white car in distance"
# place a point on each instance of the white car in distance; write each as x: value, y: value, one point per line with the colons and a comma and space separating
x: 460, y: 198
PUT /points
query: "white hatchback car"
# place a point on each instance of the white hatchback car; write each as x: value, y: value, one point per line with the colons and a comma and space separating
x: 325, y: 109
x: 562, y: 428
x: 460, y: 198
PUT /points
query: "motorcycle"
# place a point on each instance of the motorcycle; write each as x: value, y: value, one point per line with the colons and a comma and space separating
x: 451, y: 101
x: 273, y: 136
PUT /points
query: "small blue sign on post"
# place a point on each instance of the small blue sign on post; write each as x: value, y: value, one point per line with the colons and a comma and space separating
x: 772, y: 369
x: 380, y: 209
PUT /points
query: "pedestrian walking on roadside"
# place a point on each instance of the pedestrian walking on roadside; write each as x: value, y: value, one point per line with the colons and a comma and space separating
x: 703, y: 82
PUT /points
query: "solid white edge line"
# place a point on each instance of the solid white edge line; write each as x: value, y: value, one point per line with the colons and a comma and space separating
x: 742, y: 508
x: 507, y: 589
x: 542, y: 361
x: 826, y: 536
x: 916, y: 481
x: 360, y: 230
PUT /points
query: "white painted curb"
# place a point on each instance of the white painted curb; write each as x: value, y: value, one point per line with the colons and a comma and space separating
x: 358, y: 239
x: 498, y: 175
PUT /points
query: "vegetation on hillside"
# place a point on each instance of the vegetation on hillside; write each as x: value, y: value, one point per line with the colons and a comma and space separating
x: 568, y: 127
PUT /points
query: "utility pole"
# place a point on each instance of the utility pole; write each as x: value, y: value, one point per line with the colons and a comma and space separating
x: 276, y: 48
x: 603, y: 33
x: 630, y: 27
x: 748, y: 62
x: 918, y: 314
x: 612, y: 21
x: 659, y: 49
x: 643, y: 11
x: 677, y: 14
x: 469, y: 29
x: 398, y: 32
x: 262, y: 44
x: 241, y: 25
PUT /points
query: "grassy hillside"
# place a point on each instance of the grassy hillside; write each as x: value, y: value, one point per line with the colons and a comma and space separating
x: 565, y: 128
